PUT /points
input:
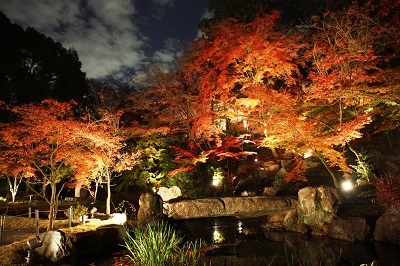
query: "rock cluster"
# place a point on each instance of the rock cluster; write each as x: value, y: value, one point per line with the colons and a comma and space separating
x: 314, y: 212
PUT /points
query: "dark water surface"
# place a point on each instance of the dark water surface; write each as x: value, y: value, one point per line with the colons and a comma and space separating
x: 235, y: 242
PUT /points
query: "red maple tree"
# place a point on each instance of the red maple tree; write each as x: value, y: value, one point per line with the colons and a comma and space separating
x: 42, y: 138
x: 102, y: 144
x: 350, y: 81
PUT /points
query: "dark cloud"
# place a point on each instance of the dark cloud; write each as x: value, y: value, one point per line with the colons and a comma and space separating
x: 110, y: 36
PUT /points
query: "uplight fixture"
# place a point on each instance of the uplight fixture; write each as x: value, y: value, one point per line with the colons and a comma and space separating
x: 347, y: 185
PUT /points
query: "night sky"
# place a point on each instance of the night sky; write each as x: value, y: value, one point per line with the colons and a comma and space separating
x: 113, y: 36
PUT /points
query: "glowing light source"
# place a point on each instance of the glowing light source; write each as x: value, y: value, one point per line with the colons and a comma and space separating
x: 240, y: 228
x: 347, y: 185
x: 217, y: 178
x: 217, y: 236
x: 308, y: 154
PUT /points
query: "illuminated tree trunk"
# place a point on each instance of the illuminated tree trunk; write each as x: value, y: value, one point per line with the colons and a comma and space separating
x: 321, y: 158
x: 14, y: 186
x: 108, y: 200
x: 53, y: 206
x: 95, y: 192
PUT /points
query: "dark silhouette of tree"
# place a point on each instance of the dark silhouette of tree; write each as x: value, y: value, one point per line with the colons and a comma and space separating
x: 292, y: 11
x: 35, y: 67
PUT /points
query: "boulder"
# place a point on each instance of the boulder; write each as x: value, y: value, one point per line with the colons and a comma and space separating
x: 288, y: 155
x: 387, y: 228
x: 317, y: 206
x: 167, y: 194
x: 281, y: 173
x: 287, y: 163
x: 274, y: 222
x: 150, y: 207
x: 349, y: 229
x: 270, y: 166
x: 291, y: 223
x: 55, y: 246
x: 270, y: 191
x: 246, y: 184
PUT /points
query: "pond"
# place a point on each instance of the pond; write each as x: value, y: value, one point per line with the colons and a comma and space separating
x: 241, y: 242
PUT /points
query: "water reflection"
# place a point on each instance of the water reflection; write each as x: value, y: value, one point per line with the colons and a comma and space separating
x: 240, y: 228
x: 241, y: 242
x: 218, y: 238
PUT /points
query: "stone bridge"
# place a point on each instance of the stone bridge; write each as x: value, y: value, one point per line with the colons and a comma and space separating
x: 242, y: 207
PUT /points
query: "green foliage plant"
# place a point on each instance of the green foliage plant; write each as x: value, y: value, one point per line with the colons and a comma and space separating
x: 127, y: 207
x: 388, y: 190
x: 363, y: 169
x: 156, y: 161
x: 158, y: 245
x: 77, y: 211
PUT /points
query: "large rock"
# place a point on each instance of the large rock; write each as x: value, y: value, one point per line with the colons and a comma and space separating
x: 349, y: 229
x: 55, y: 246
x: 167, y: 194
x: 228, y: 206
x: 292, y: 223
x: 317, y: 206
x: 387, y: 228
x: 270, y: 166
x: 150, y: 207
x: 270, y: 191
x: 246, y: 184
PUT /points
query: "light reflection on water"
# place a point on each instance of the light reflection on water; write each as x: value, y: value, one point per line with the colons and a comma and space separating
x: 241, y: 242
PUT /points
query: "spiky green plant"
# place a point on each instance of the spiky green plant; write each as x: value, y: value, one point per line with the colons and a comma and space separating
x: 158, y: 245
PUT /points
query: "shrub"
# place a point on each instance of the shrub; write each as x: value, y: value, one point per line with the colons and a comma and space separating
x: 388, y: 190
x: 77, y: 211
x: 158, y: 245
x: 126, y: 207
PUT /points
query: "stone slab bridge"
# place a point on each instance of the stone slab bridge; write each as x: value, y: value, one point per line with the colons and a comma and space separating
x: 242, y: 207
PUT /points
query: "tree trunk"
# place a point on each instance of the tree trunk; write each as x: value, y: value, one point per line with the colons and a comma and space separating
x: 44, y: 186
x: 13, y: 186
x: 13, y: 194
x: 95, y: 192
x: 274, y: 152
x: 53, y: 206
x: 320, y: 157
x: 108, y: 200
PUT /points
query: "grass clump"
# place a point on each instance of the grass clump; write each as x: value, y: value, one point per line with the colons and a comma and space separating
x: 159, y: 245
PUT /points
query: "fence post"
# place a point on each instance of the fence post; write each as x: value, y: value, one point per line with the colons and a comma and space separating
x: 70, y: 217
x: 37, y: 221
x: 2, y: 221
x: 29, y: 213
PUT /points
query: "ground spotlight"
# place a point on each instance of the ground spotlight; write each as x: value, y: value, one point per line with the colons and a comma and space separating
x: 31, y: 244
x: 347, y: 185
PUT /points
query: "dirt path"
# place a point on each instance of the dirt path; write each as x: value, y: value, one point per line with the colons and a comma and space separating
x: 17, y: 228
